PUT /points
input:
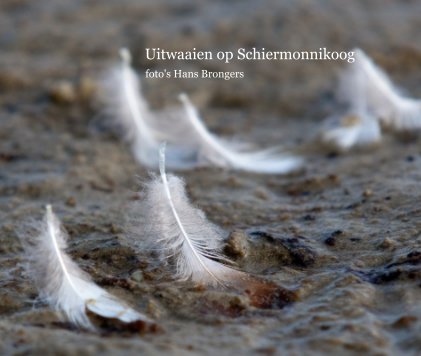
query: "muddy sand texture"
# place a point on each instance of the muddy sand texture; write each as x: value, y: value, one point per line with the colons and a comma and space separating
x: 344, y: 234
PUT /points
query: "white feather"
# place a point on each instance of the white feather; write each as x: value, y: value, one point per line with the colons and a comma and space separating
x: 351, y: 130
x: 358, y: 127
x: 383, y: 99
x: 121, y: 93
x: 181, y: 232
x: 190, y: 144
x: 63, y: 285
x: 215, y: 151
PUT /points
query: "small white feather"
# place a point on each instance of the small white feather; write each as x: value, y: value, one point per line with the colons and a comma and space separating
x: 180, y: 232
x: 121, y: 93
x: 63, y: 285
x: 215, y: 151
x: 122, y: 96
x: 358, y: 127
x: 383, y: 99
x: 351, y: 130
x: 190, y: 143
x: 182, y: 236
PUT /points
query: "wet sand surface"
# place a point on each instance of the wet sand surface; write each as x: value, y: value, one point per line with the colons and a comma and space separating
x: 343, y: 234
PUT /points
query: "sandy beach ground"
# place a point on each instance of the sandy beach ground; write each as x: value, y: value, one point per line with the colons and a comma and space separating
x: 344, y: 234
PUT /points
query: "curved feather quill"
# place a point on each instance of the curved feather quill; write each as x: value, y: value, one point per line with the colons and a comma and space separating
x: 121, y: 93
x: 359, y: 126
x: 180, y: 231
x: 213, y: 150
x: 63, y: 285
x: 190, y: 144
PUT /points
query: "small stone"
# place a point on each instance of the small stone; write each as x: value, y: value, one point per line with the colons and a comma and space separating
x: 199, y: 288
x: 237, y: 244
x: 63, y: 92
x: 285, y: 217
x: 350, y: 121
x: 237, y: 305
x: 367, y: 193
x: 13, y: 80
x: 137, y: 276
x: 261, y: 194
x: 71, y: 201
x: 330, y: 241
x: 405, y: 321
x: 387, y: 243
x: 114, y: 229
x: 233, y: 182
x: 8, y: 228
x: 153, y: 309
x: 87, y: 88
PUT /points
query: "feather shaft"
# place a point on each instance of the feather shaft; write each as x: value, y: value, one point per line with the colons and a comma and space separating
x: 52, y: 233
x: 215, y: 151
x: 190, y: 143
x: 174, y: 211
x: 64, y: 285
x: 183, y: 237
